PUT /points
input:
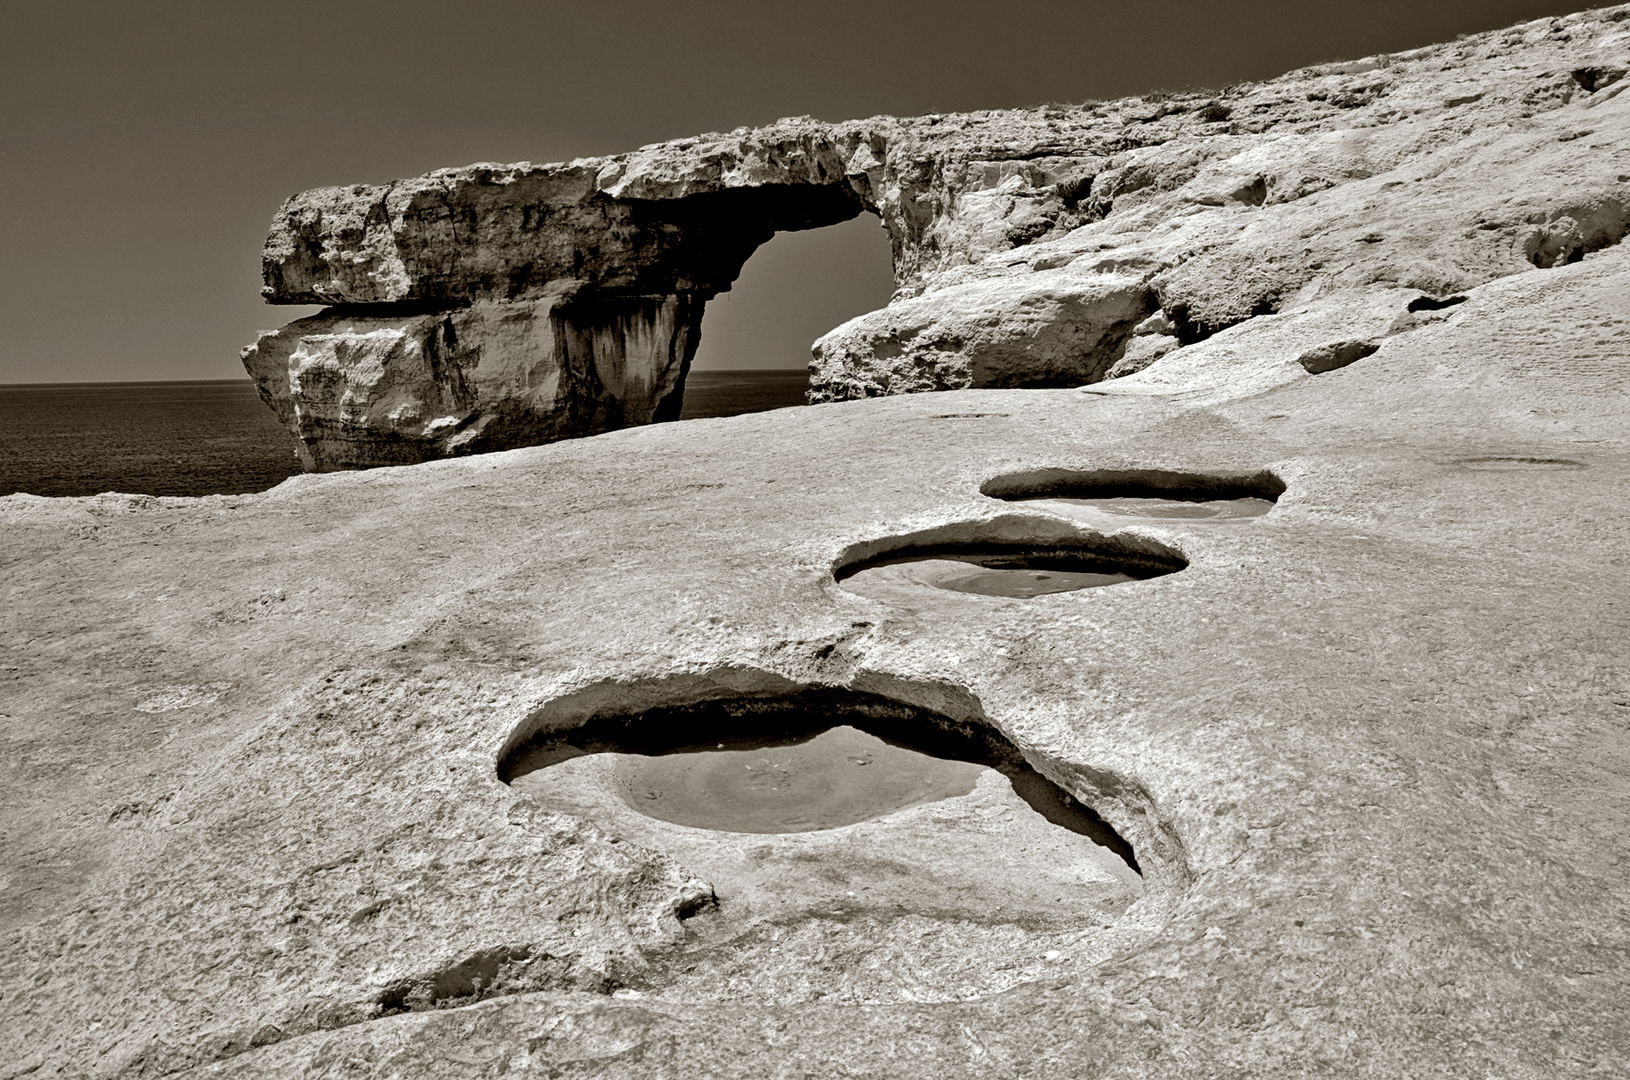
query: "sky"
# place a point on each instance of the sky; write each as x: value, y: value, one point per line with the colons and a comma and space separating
x: 145, y: 147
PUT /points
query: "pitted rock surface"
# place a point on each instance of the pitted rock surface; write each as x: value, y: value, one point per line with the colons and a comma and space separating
x: 1371, y: 748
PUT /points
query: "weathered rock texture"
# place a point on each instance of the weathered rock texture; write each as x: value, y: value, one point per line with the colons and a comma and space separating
x: 1372, y: 749
x: 1027, y: 244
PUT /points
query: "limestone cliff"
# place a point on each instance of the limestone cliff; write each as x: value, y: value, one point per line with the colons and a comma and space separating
x: 1028, y: 244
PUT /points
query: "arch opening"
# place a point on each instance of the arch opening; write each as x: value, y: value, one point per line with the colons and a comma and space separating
x: 754, y: 348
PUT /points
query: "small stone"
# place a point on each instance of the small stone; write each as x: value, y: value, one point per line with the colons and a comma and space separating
x: 1141, y: 351
x: 267, y: 1035
x: 1335, y: 355
x: 1158, y: 323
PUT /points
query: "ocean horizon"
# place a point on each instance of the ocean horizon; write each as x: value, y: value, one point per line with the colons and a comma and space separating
x: 216, y: 437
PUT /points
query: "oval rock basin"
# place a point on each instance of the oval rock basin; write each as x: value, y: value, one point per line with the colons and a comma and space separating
x: 923, y: 857
x: 1011, y: 571
x: 1111, y: 500
x: 791, y: 765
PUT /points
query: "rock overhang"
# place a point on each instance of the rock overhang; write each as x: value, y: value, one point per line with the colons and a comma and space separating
x: 462, y: 235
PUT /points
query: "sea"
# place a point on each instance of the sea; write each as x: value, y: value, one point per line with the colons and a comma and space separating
x: 219, y: 438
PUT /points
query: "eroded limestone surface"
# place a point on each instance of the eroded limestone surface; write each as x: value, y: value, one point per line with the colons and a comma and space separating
x: 1371, y: 749
x: 1045, y: 247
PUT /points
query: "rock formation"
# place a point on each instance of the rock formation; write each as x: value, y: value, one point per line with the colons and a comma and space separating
x: 1371, y: 749
x: 497, y: 306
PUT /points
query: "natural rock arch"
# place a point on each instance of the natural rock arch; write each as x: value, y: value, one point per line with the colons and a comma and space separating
x: 503, y: 305
x: 496, y: 306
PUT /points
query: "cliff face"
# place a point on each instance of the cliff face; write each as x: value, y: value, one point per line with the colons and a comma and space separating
x: 1028, y: 244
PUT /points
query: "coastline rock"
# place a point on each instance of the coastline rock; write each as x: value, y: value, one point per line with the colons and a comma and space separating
x: 361, y: 388
x: 1026, y: 243
x: 530, y: 303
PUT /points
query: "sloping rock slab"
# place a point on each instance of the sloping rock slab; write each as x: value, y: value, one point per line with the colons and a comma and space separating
x: 1370, y: 750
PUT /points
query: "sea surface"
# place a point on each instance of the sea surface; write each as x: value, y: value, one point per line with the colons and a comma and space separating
x: 218, y: 438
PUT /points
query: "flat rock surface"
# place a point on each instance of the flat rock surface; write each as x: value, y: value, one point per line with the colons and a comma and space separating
x: 1372, y: 748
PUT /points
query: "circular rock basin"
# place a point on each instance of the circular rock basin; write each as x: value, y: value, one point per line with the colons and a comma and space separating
x: 1008, y: 571
x: 802, y: 763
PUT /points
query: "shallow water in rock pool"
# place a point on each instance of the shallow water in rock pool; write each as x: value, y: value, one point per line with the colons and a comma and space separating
x: 1020, y: 582
x: 808, y: 775
x: 1021, y: 576
x: 841, y: 776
